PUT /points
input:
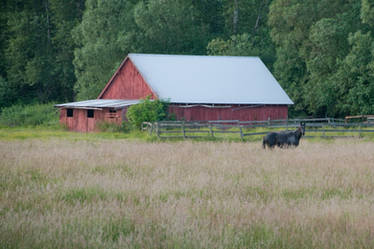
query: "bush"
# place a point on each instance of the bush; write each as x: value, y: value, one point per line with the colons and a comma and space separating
x: 29, y: 115
x: 113, y: 127
x: 147, y: 111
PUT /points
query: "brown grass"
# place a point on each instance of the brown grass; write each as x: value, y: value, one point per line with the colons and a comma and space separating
x: 122, y: 194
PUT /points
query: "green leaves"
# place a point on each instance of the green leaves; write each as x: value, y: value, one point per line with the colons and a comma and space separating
x: 356, y: 75
x: 244, y: 45
x: 367, y: 12
x: 103, y: 43
x: 316, y: 55
x: 147, y: 111
x: 170, y: 27
x: 38, y: 50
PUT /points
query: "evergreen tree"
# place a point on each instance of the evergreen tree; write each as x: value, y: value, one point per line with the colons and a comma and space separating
x: 36, y: 38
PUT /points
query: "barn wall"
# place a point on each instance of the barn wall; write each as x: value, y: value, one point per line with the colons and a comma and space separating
x: 80, y: 122
x: 235, y: 112
x: 127, y: 84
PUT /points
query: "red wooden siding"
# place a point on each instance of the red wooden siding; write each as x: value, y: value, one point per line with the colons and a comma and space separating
x: 80, y: 121
x: 127, y: 84
x: 235, y: 112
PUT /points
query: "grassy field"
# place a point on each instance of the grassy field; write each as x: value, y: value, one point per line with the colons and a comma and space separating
x: 102, y: 193
x: 21, y: 133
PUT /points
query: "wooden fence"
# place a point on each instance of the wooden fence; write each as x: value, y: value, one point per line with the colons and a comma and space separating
x: 318, y: 127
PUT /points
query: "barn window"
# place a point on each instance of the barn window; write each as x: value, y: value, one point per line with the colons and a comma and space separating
x: 90, y: 113
x: 69, y: 113
x: 112, y: 111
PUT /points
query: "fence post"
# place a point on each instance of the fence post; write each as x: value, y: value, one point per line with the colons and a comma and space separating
x: 158, y: 129
x: 183, y: 130
x: 287, y: 124
x: 241, y: 132
x: 211, y: 129
x: 151, y: 129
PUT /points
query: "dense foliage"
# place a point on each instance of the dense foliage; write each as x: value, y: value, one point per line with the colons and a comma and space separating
x: 37, y: 50
x: 321, y: 51
x: 29, y: 115
x: 147, y: 111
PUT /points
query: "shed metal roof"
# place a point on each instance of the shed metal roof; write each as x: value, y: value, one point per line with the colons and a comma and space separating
x: 210, y: 79
x: 99, y: 103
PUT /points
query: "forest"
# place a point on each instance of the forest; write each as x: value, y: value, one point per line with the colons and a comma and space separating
x: 320, y: 51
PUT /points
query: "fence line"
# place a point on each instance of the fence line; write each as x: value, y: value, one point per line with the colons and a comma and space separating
x: 200, y: 129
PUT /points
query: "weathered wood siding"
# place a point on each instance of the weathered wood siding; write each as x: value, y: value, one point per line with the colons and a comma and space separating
x: 80, y: 122
x: 127, y: 84
x: 235, y: 112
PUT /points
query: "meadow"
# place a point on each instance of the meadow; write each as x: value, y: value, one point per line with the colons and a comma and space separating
x: 59, y: 192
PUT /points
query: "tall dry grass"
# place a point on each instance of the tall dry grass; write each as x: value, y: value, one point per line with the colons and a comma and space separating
x: 120, y: 194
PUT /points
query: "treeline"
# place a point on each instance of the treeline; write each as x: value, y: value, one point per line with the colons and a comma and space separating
x: 321, y: 51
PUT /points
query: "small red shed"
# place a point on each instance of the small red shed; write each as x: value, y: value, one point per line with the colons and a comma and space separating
x: 86, y: 115
x: 197, y: 87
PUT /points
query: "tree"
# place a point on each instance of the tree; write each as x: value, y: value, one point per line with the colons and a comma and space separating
x: 245, y: 16
x: 247, y: 31
x: 66, y: 14
x: 36, y: 38
x: 367, y: 12
x: 311, y: 39
x: 244, y: 45
x: 355, y: 76
x: 104, y: 37
x: 327, y: 46
x: 25, y: 52
x: 170, y: 27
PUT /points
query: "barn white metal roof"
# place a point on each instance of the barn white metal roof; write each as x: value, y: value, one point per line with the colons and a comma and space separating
x: 99, y: 103
x: 210, y: 79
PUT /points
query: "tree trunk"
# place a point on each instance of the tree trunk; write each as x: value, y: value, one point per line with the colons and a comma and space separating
x: 236, y: 17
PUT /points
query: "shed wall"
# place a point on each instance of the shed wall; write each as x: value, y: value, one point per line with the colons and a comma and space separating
x: 80, y: 122
x: 127, y: 84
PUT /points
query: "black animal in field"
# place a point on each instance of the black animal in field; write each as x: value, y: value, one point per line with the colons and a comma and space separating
x: 283, y: 139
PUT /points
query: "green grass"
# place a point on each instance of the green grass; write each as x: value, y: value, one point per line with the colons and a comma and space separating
x: 45, y: 132
x: 235, y: 137
x: 41, y: 132
x: 88, y: 194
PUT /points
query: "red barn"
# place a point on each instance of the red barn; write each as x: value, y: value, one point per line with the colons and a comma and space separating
x: 197, y: 87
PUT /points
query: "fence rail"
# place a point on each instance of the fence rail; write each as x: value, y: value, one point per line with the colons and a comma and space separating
x: 317, y: 127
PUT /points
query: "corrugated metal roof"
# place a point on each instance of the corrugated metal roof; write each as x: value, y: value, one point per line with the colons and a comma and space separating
x: 99, y: 103
x: 210, y: 79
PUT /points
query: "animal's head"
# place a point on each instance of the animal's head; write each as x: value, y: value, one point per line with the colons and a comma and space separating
x: 302, y: 128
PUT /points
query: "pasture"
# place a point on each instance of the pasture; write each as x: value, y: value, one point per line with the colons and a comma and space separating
x: 78, y: 193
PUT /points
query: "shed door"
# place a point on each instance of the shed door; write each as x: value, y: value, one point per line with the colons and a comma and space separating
x: 90, y: 120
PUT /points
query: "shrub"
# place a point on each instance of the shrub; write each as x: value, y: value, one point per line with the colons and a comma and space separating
x: 29, y: 115
x: 147, y: 111
x: 113, y: 127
